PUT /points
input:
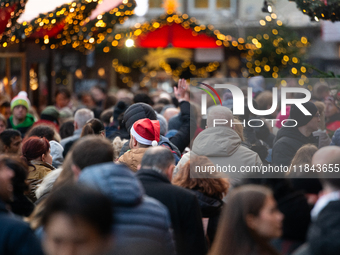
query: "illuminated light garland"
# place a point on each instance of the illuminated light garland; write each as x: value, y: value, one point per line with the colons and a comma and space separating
x: 320, y: 9
x: 70, y: 25
x: 14, y: 8
x: 276, y: 53
x: 141, y: 65
x: 169, y: 18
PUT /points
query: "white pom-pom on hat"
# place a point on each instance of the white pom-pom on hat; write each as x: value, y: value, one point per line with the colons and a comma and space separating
x: 22, y: 93
x: 154, y: 143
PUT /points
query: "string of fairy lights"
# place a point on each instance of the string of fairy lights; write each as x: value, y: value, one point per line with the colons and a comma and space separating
x: 15, y: 9
x: 118, y: 38
x: 76, y: 28
x: 320, y: 9
x: 278, y: 52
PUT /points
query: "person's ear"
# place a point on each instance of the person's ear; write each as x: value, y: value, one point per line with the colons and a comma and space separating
x: 135, y: 143
x: 76, y: 172
x: 251, y: 221
x: 75, y: 125
x: 170, y: 171
x: 43, y: 157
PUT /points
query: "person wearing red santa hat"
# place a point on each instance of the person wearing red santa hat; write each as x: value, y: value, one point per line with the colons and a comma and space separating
x: 144, y: 134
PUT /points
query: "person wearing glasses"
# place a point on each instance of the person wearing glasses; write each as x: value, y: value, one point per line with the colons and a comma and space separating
x: 295, y: 134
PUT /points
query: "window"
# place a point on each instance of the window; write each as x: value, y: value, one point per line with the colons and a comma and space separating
x: 155, y: 3
x: 211, y: 6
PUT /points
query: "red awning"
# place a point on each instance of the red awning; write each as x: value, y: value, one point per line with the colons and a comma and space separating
x: 5, y: 15
x: 175, y: 35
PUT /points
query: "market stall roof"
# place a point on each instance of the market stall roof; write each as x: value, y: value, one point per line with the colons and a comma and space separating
x: 81, y: 23
x: 175, y: 35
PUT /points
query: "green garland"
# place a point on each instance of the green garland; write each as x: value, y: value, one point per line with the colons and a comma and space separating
x: 78, y: 32
x: 118, y: 37
x: 320, y: 9
x: 278, y: 52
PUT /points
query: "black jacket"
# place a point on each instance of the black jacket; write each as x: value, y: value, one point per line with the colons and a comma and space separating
x: 211, y: 208
x: 184, y: 211
x: 287, y: 143
x: 324, y: 233
x: 16, y: 237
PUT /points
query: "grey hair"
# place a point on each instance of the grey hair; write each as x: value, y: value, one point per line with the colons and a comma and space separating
x: 219, y: 112
x: 157, y: 158
x: 82, y: 116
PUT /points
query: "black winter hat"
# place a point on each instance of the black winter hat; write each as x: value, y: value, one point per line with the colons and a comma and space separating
x: 120, y: 107
x: 136, y: 112
x: 300, y: 117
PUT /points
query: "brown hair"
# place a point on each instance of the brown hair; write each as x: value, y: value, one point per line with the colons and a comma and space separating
x: 209, y: 186
x: 264, y: 99
x: 303, y: 156
x: 233, y: 236
x: 3, y: 119
x: 66, y: 175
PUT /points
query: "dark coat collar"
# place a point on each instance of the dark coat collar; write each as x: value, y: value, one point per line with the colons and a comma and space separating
x: 149, y: 174
x: 3, y: 207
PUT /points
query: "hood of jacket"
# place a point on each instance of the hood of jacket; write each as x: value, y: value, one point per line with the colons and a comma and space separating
x: 56, y: 153
x: 29, y: 121
x: 216, y: 142
x: 114, y: 180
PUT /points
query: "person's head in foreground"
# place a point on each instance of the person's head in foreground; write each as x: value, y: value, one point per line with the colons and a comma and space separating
x: 249, y: 221
x: 77, y: 221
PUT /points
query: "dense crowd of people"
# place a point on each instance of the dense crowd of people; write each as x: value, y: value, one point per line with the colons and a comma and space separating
x: 112, y: 173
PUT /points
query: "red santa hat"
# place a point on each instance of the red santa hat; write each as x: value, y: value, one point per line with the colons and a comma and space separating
x: 146, y: 131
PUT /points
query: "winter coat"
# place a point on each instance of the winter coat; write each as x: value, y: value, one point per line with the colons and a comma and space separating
x: 22, y: 127
x: 69, y: 141
x: 184, y: 211
x: 36, y: 175
x: 132, y: 158
x: 56, y: 153
x: 323, y: 137
x: 142, y: 224
x: 287, y: 143
x: 333, y: 123
x: 163, y: 141
x: 324, y: 233
x: 211, y: 208
x: 16, y: 237
x: 222, y: 145
x: 336, y: 138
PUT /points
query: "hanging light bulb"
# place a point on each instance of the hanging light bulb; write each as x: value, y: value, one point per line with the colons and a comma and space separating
x: 129, y: 43
x: 267, y: 7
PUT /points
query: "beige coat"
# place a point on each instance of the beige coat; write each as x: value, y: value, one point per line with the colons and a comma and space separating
x: 35, y: 176
x: 132, y: 158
